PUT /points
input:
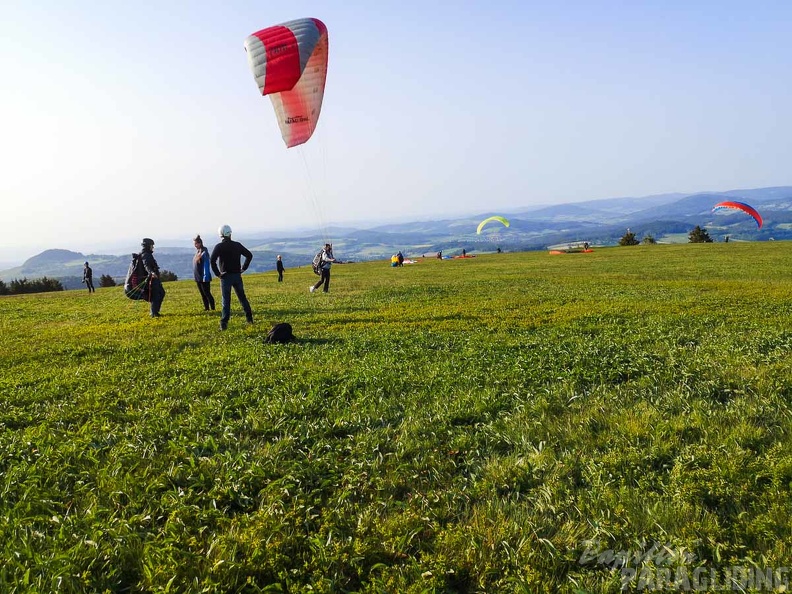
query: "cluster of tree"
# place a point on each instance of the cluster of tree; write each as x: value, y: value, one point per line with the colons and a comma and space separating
x: 697, y: 235
x: 39, y: 285
x: 167, y: 275
x: 106, y: 281
x: 629, y: 239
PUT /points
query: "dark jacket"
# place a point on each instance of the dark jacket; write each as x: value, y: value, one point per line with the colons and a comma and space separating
x: 87, y: 273
x: 226, y: 256
x: 279, y: 266
x: 149, y: 263
x: 201, y: 269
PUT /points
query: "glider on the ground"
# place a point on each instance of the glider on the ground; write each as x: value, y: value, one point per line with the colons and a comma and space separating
x: 570, y: 247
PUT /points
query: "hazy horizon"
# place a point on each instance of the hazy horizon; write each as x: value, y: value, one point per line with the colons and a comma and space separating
x: 126, y: 120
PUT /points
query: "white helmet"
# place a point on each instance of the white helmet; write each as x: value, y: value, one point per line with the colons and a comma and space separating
x: 224, y: 231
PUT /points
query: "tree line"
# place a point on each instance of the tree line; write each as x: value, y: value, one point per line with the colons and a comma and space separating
x: 23, y: 285
x: 45, y: 284
x: 697, y: 235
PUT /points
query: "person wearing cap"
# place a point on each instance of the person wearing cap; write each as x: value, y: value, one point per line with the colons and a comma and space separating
x: 326, y: 263
x: 88, y: 278
x: 227, y: 266
x: 155, y: 292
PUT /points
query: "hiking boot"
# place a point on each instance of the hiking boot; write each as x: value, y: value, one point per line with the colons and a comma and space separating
x: 249, y: 320
x: 223, y: 326
x: 312, y: 288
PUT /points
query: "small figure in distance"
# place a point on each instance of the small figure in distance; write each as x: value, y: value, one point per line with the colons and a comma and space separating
x: 326, y: 263
x: 202, y: 272
x: 88, y: 278
x: 400, y: 256
x: 279, y: 267
x: 225, y: 261
x: 156, y: 292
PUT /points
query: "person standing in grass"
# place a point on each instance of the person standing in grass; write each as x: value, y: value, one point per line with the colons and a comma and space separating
x: 225, y: 261
x: 155, y: 292
x: 88, y: 278
x: 280, y: 269
x: 325, y: 264
x: 202, y: 272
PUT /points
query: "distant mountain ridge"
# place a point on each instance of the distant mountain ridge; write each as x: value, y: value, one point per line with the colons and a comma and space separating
x: 600, y: 222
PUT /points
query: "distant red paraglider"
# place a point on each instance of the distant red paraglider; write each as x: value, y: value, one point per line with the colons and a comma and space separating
x: 746, y: 208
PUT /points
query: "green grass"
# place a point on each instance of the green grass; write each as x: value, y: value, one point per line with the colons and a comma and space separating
x: 451, y: 426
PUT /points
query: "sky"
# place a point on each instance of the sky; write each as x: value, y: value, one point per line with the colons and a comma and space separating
x: 122, y: 120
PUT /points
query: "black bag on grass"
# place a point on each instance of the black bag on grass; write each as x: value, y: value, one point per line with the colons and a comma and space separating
x: 280, y: 333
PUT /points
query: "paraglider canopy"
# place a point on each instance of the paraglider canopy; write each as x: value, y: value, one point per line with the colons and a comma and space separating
x: 289, y: 63
x: 487, y: 220
x: 731, y: 205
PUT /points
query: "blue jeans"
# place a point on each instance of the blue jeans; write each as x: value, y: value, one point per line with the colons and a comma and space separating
x: 233, y: 279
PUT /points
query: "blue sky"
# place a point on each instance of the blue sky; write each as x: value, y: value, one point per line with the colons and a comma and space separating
x: 128, y: 119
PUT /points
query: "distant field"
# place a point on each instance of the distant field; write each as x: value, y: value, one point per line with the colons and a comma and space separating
x: 507, y: 423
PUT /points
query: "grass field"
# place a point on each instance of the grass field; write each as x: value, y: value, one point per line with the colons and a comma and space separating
x: 509, y: 423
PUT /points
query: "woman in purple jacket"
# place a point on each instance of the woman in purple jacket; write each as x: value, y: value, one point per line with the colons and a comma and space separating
x: 202, y: 272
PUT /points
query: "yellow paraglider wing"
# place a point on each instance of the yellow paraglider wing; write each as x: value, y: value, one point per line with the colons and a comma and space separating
x: 495, y: 218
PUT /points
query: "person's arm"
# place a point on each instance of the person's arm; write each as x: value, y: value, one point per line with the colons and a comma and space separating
x: 150, y: 265
x: 213, y: 261
x: 207, y: 271
x: 248, y: 257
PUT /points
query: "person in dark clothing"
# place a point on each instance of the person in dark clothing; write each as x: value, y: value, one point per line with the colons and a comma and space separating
x: 202, y: 272
x: 327, y: 262
x: 225, y: 261
x: 88, y: 278
x: 280, y: 268
x: 155, y: 292
x: 400, y: 257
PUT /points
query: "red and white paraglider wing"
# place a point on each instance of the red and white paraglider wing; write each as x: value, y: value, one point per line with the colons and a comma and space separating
x: 289, y: 63
x: 746, y: 208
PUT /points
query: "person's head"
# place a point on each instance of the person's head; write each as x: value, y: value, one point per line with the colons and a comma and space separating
x: 86, y: 263
x: 198, y: 242
x: 328, y: 247
x: 147, y: 243
x: 224, y: 231
x: 279, y: 257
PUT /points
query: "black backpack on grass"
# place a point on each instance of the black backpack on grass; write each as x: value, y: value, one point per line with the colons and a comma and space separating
x: 135, y: 284
x: 280, y: 333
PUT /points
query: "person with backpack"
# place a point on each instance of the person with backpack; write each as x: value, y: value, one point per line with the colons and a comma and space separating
x: 325, y: 262
x: 280, y: 269
x: 225, y: 261
x: 155, y: 291
x: 88, y: 278
x: 202, y: 272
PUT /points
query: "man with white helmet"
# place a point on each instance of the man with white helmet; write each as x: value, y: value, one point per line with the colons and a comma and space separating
x: 225, y: 260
